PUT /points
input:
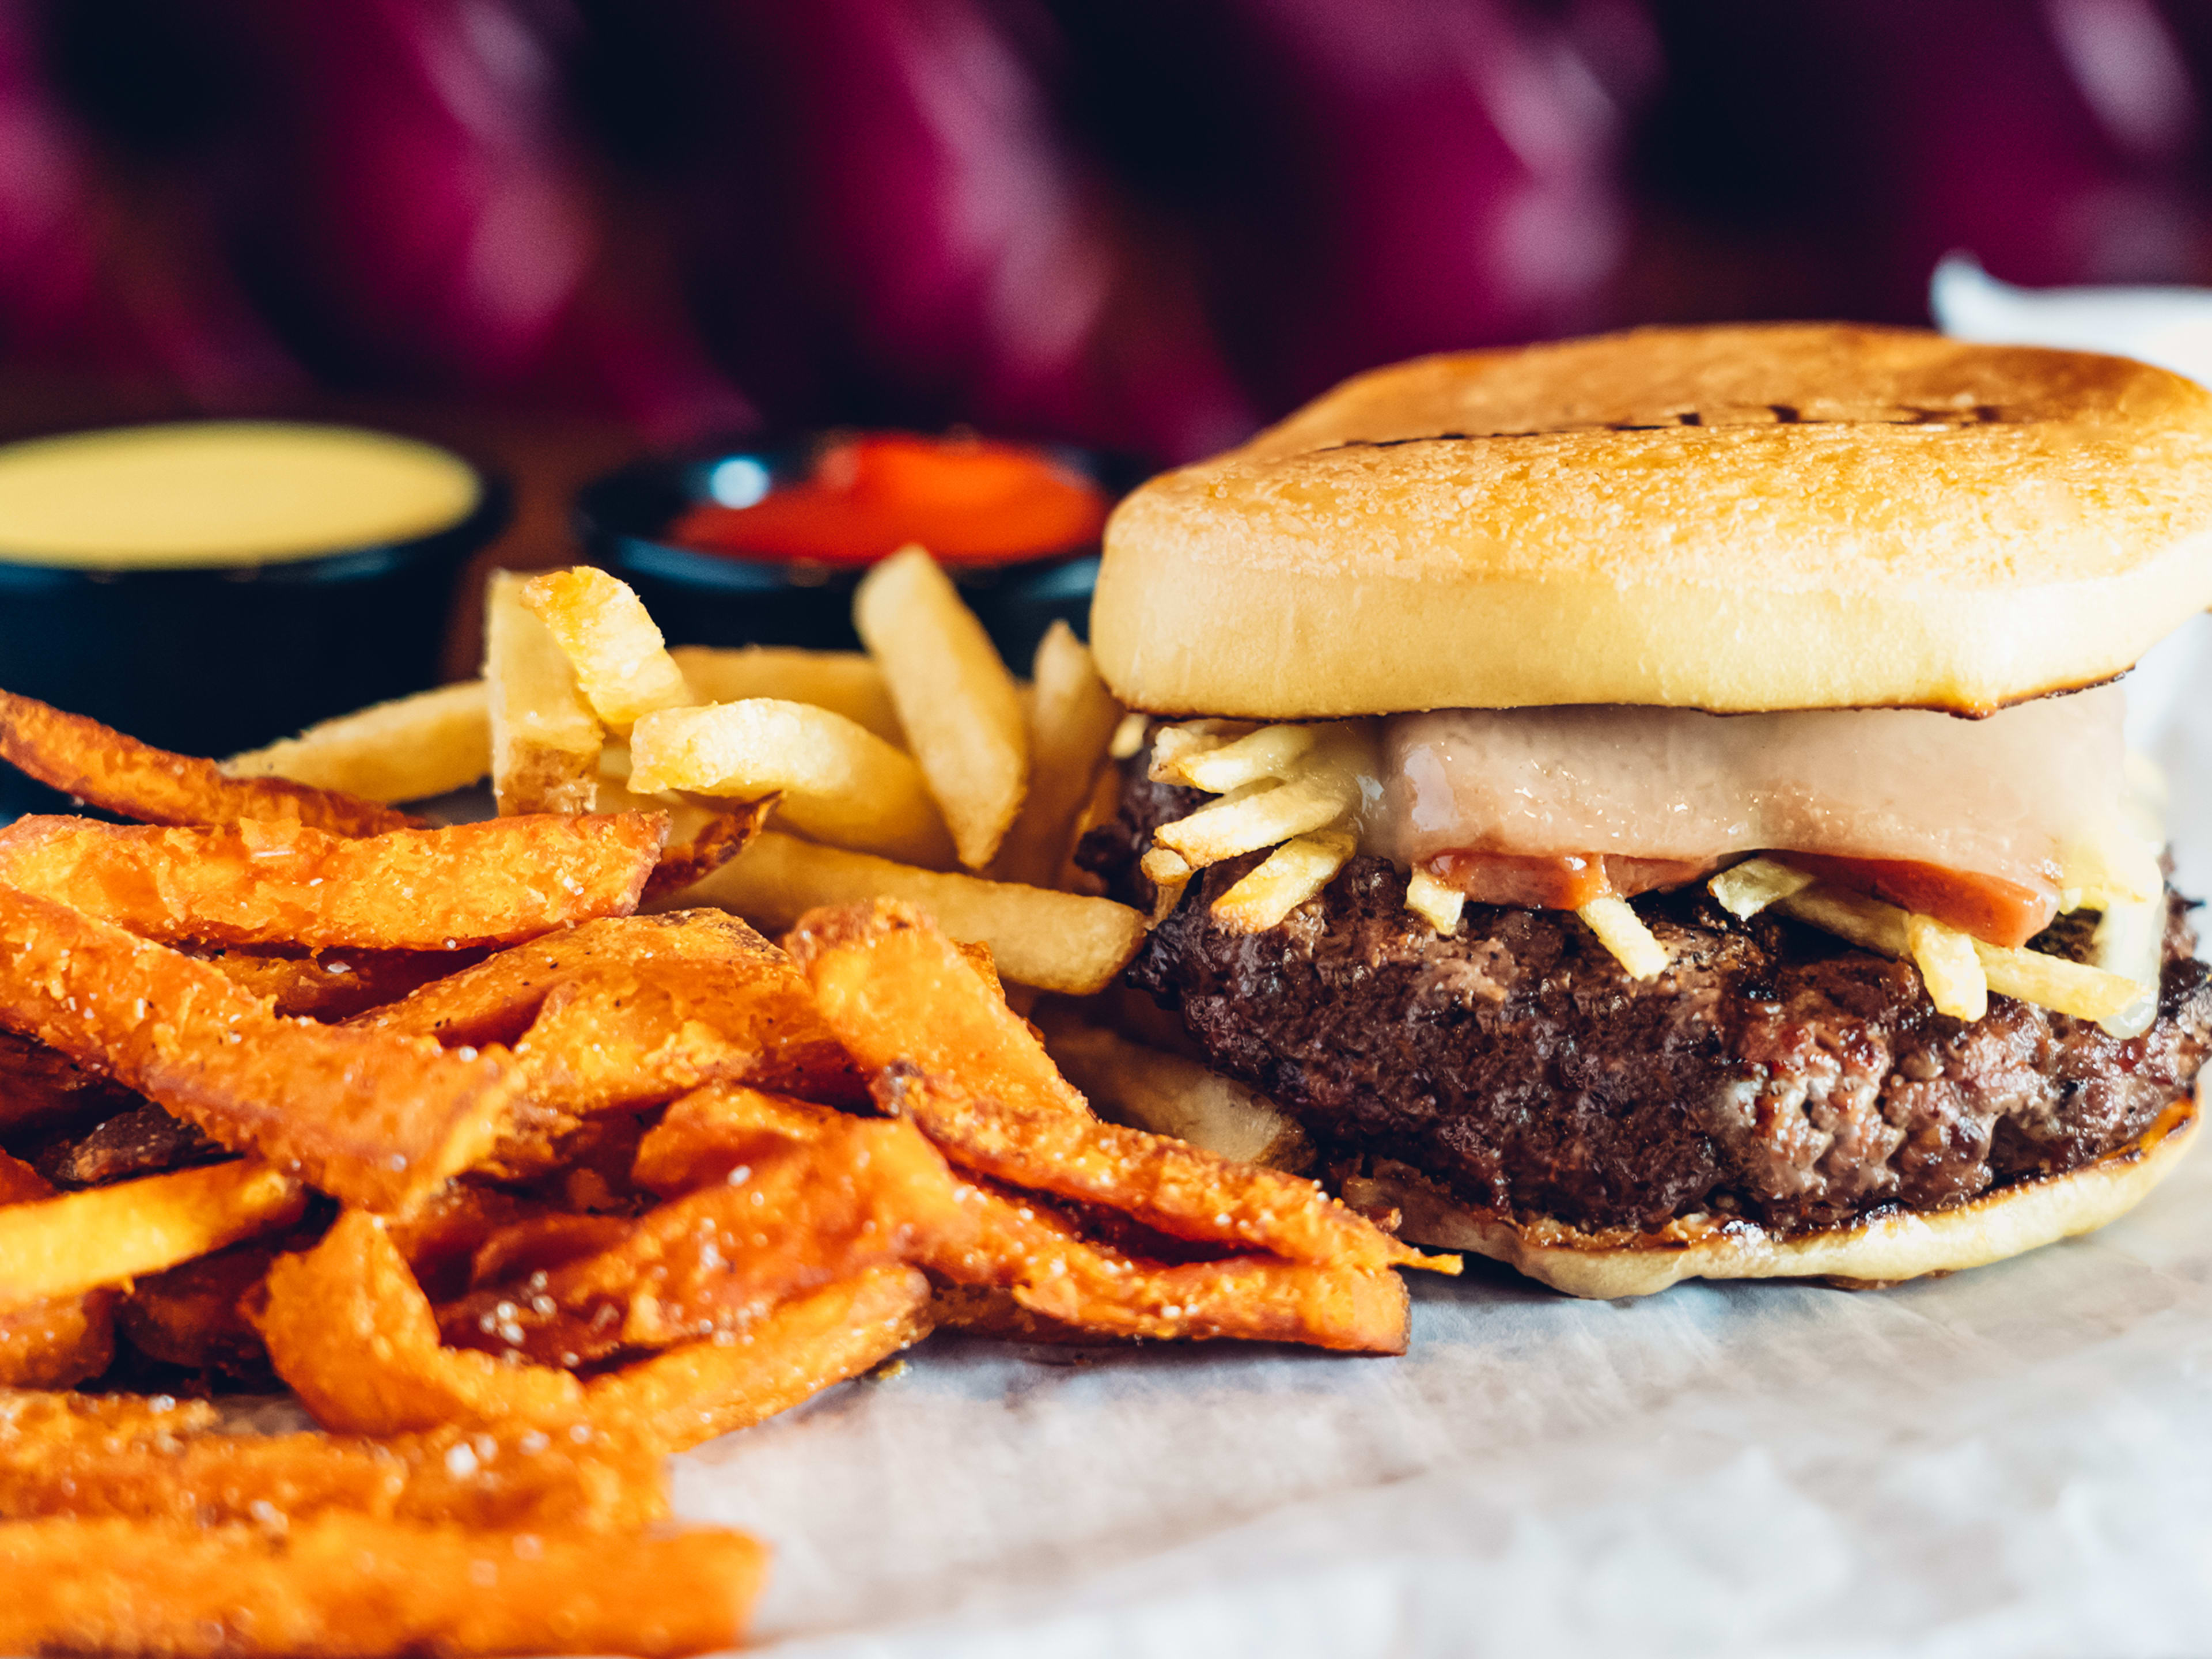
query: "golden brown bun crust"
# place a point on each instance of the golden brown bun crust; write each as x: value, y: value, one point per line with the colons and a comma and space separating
x: 1900, y: 1245
x: 1857, y: 516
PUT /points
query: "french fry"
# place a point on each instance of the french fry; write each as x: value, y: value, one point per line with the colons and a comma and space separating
x: 1948, y: 968
x: 1168, y: 1185
x: 133, y: 779
x: 1128, y: 739
x: 1072, y: 719
x: 496, y: 1001
x: 349, y: 1330
x: 410, y: 749
x: 793, y: 1214
x: 1271, y: 752
x: 1064, y: 942
x: 1744, y: 889
x: 834, y: 781
x: 1171, y: 1096
x: 345, y: 1586
x: 1035, y: 1253
x: 544, y: 737
x: 58, y: 1459
x: 1622, y: 932
x: 1434, y: 902
x: 622, y: 666
x: 1293, y: 873
x: 105, y: 1236
x: 285, y: 885
x: 895, y: 990
x: 687, y: 1394
x: 375, y: 1120
x: 846, y: 682
x: 955, y: 698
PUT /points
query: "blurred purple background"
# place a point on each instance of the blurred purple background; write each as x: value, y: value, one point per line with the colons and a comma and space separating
x: 1148, y: 224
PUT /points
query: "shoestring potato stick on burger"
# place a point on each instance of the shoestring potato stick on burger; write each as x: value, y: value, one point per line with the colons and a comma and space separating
x: 1702, y: 741
x: 519, y: 1191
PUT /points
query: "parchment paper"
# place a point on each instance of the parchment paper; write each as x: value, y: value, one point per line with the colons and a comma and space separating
x: 2016, y: 1459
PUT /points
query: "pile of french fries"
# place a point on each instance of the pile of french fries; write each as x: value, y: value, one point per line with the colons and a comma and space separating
x: 523, y: 1163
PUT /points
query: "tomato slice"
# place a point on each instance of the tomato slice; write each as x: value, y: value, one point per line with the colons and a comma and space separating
x: 1566, y: 882
x: 1992, y: 909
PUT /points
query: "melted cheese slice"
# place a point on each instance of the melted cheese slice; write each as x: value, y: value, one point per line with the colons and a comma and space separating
x: 2034, y: 794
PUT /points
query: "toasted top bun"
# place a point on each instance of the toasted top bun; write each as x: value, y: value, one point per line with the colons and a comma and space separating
x: 1799, y: 516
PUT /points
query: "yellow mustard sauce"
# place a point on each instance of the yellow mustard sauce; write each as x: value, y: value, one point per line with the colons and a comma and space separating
x: 215, y: 492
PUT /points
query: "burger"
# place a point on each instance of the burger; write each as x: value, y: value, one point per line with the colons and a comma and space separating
x: 1654, y: 806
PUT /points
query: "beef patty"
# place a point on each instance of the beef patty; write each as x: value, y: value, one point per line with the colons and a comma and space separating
x: 1773, y: 1071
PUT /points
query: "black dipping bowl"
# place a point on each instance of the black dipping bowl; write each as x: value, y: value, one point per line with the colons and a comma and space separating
x: 209, y: 661
x: 712, y: 598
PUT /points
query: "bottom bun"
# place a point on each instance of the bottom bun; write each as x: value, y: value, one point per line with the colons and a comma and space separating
x: 1882, y: 1249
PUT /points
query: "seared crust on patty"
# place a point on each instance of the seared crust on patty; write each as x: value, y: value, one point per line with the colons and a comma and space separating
x: 1771, y: 1071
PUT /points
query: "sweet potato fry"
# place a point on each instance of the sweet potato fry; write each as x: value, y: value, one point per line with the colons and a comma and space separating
x: 345, y: 1586
x: 58, y: 1458
x: 1032, y: 1250
x: 351, y: 1332
x: 336, y: 985
x: 496, y: 1001
x: 41, y: 1088
x: 792, y: 1213
x: 55, y: 1343
x: 701, y: 1138
x: 706, y: 848
x: 893, y: 988
x: 691, y: 1393
x: 619, y: 1037
x: 439, y: 1239
x: 256, y: 883
x: 133, y: 779
x: 113, y: 1418
x: 1168, y: 1185
x: 374, y: 1120
x: 106, y: 1236
x: 189, y: 1316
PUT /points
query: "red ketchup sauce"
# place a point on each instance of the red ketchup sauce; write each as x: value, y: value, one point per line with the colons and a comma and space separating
x: 968, y: 500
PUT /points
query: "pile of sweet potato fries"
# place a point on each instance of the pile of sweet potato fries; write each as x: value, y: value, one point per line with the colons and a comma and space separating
x: 518, y: 1190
